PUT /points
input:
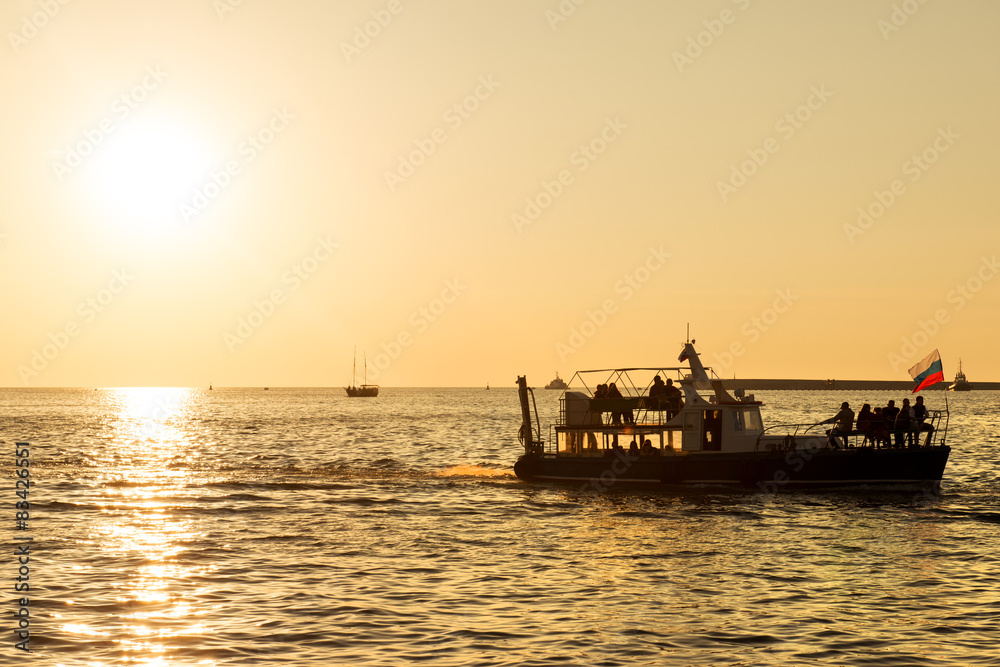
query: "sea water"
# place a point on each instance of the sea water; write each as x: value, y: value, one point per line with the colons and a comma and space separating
x: 303, y: 527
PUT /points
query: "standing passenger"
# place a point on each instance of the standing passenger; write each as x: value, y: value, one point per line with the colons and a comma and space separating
x: 656, y: 392
x: 616, y: 415
x: 889, y: 412
x: 673, y: 396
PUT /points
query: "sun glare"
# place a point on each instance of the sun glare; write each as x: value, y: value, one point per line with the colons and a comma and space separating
x: 143, y: 172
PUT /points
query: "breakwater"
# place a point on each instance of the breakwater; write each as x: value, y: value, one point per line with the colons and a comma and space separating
x: 845, y: 385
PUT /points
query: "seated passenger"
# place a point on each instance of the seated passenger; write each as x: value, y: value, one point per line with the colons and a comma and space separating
x: 920, y: 415
x: 647, y: 448
x: 903, y: 424
x: 843, y: 424
x: 865, y: 424
x: 656, y: 393
x: 633, y: 448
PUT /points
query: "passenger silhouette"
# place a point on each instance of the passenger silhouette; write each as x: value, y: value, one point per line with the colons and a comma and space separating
x: 865, y: 424
x: 903, y: 424
x: 843, y: 424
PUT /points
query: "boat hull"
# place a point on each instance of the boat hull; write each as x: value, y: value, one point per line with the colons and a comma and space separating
x: 855, y: 467
x: 358, y: 392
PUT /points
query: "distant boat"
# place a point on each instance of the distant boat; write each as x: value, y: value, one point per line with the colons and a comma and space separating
x: 558, y: 383
x: 487, y: 386
x: 210, y: 387
x: 960, y: 384
x: 366, y: 389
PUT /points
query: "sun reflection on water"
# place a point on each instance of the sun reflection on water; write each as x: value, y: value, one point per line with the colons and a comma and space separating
x: 145, y: 530
x: 147, y: 425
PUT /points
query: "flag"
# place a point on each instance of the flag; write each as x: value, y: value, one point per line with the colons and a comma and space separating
x: 928, y: 371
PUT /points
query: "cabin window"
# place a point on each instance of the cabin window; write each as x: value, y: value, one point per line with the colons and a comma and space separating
x: 748, y: 420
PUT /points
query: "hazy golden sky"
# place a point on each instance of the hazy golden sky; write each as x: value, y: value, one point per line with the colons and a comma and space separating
x: 239, y: 193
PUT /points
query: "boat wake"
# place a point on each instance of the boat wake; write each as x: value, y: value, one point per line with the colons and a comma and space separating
x: 467, y: 470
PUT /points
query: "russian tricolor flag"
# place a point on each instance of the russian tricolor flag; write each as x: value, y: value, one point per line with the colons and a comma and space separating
x: 928, y: 371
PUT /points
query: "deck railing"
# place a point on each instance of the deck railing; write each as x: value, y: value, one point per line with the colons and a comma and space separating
x: 929, y: 433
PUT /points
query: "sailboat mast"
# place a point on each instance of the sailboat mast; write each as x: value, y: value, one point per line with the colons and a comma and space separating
x: 354, y: 373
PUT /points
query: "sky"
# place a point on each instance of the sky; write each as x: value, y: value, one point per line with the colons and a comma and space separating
x: 242, y: 193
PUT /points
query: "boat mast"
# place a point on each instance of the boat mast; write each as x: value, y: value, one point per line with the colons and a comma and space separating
x: 354, y: 374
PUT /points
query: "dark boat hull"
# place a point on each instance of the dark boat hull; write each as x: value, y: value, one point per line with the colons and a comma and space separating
x: 856, y: 467
x: 357, y: 392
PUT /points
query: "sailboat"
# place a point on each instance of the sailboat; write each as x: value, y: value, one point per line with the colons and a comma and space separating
x: 366, y: 389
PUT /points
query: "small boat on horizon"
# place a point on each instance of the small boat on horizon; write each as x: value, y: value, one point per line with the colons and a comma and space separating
x: 960, y: 384
x: 558, y: 383
x: 365, y: 390
x: 711, y: 438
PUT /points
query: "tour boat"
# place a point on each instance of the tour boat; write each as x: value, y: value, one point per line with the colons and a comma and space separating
x: 712, y: 438
x: 558, y: 383
x: 960, y: 384
x: 366, y: 389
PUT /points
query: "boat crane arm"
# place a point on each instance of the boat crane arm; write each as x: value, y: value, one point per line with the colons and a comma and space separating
x: 700, y: 376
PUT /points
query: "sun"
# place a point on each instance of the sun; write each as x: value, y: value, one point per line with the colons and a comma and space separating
x: 145, y: 170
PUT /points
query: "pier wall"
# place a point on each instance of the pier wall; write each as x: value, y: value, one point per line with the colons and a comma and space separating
x: 845, y: 385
